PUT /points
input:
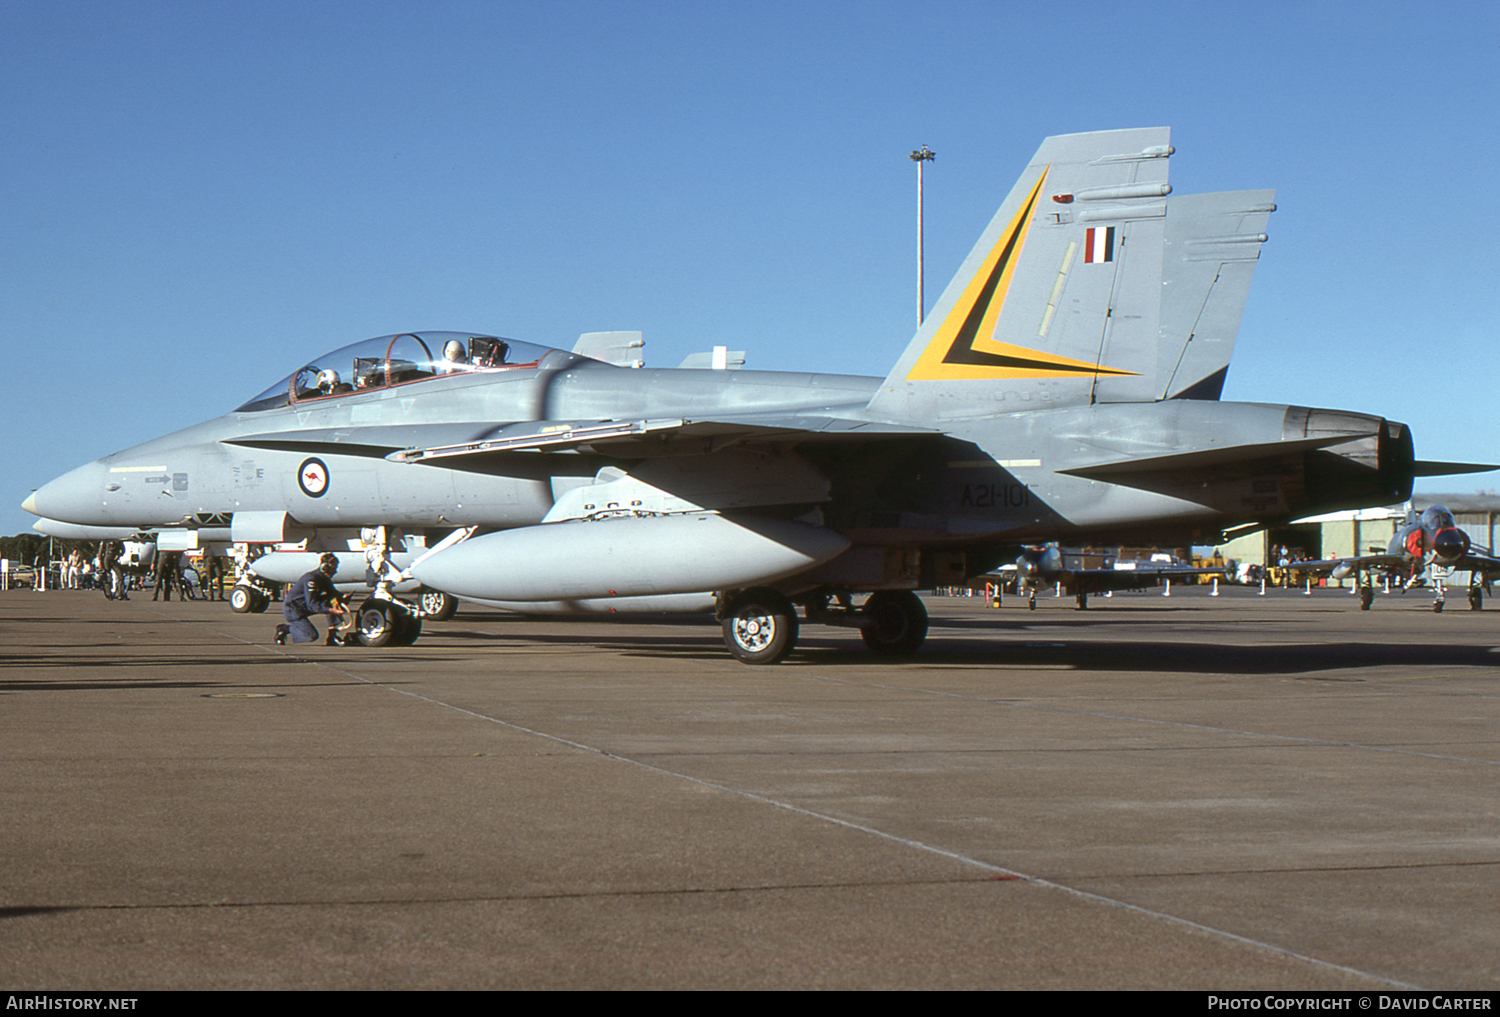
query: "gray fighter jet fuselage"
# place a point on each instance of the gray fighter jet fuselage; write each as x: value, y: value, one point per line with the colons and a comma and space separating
x: 1173, y: 470
x: 1046, y: 398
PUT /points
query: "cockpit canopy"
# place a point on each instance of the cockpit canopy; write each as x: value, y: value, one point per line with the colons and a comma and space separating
x: 393, y: 360
x: 1436, y: 517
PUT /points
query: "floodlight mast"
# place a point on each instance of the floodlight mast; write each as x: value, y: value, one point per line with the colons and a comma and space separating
x: 921, y: 155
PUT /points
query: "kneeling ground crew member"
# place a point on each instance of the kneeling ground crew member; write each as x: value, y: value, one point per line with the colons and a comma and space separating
x: 312, y: 594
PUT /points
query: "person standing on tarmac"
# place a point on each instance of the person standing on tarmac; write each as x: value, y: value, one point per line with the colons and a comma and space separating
x: 312, y: 594
x: 166, y: 575
x: 110, y: 572
x: 213, y: 575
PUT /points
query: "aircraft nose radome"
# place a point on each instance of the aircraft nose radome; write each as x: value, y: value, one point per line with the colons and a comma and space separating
x: 1450, y: 544
x: 75, y: 497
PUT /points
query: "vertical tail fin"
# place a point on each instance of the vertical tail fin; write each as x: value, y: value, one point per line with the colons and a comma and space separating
x: 1212, y: 243
x: 1059, y: 301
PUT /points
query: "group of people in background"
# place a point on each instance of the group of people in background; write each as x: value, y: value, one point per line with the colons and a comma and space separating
x: 110, y: 571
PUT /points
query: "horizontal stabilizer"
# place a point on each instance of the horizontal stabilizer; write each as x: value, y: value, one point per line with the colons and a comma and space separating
x: 1201, y: 459
x: 1434, y: 469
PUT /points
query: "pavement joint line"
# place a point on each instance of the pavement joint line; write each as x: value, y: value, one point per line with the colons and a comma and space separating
x: 1476, y: 863
x: 872, y: 831
x: 1020, y: 704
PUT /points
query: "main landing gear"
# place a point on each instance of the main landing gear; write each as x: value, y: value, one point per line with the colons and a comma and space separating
x: 894, y: 622
x: 385, y: 620
x: 761, y: 625
x: 380, y: 622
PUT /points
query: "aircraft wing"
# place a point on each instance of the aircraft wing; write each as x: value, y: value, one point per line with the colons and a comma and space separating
x: 1474, y: 561
x: 623, y: 438
x: 1343, y: 567
x: 1099, y: 580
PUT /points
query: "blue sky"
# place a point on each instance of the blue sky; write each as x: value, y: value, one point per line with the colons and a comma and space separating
x: 199, y: 197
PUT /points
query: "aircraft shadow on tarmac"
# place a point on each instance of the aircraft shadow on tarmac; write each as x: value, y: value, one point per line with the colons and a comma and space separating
x: 1044, y: 650
x: 1313, y: 659
x: 171, y: 665
x: 26, y: 910
x: 1029, y: 639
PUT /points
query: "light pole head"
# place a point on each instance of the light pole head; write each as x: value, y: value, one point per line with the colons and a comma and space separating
x: 923, y: 154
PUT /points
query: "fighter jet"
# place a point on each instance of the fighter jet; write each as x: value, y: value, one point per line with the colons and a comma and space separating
x: 1048, y: 564
x: 1427, y: 545
x: 1052, y: 394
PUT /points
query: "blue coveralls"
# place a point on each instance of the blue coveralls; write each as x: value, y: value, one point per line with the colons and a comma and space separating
x: 311, y: 594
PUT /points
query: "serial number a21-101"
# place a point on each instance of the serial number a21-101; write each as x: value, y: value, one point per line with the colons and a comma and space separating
x: 995, y: 496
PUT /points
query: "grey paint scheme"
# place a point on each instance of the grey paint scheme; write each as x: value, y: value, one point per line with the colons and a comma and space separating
x: 926, y: 475
x: 1046, y: 566
x: 1212, y: 244
x: 1441, y: 543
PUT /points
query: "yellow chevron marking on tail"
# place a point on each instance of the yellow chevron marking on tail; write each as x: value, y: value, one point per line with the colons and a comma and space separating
x: 964, y: 347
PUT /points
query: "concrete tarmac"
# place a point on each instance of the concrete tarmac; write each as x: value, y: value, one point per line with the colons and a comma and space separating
x: 1240, y: 792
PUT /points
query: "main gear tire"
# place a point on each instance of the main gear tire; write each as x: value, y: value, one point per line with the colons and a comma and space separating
x: 761, y: 627
x: 380, y: 623
x: 896, y: 622
x: 411, y: 628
